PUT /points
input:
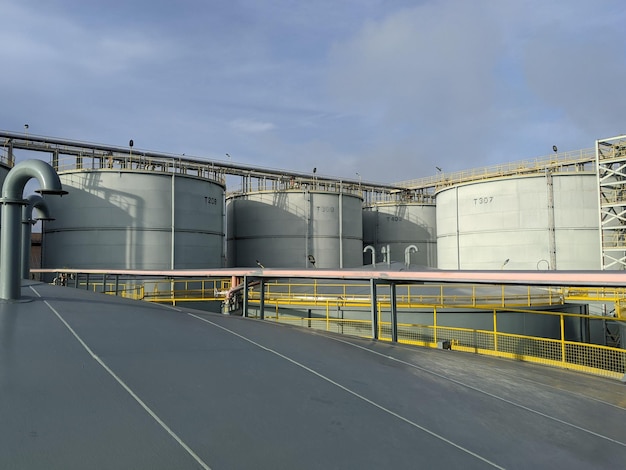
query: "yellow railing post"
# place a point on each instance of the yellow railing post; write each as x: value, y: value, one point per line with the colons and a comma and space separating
x: 327, y: 315
x: 562, y: 321
x: 495, y: 330
x: 380, y: 323
x: 435, y: 324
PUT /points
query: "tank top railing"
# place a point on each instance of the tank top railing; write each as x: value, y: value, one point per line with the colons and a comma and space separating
x: 138, y: 162
x: 579, y: 160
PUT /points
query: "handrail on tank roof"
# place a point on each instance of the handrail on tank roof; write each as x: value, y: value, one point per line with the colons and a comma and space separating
x: 562, y: 161
x: 125, y: 158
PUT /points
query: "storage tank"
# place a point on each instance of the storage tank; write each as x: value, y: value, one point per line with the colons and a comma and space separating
x: 284, y: 228
x: 135, y: 219
x: 396, y: 227
x: 536, y: 221
x: 4, y: 171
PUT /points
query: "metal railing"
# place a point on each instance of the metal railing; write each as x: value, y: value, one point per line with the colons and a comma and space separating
x: 559, y: 351
x: 481, y: 319
x: 563, y: 161
x: 170, y: 291
x: 139, y: 162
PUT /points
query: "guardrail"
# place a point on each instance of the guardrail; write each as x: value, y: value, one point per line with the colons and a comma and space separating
x: 557, y: 351
x: 508, y: 321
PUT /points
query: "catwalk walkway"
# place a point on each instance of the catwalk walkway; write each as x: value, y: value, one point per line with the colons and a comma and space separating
x: 99, y: 382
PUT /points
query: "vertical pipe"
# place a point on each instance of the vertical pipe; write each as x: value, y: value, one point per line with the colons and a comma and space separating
x: 340, y: 228
x: 117, y: 284
x: 551, y: 221
x: 262, y: 299
x: 10, y: 159
x: 374, y: 308
x: 244, y: 311
x: 12, y: 200
x: 173, y: 221
x: 10, y: 286
x: 394, y: 312
x: 26, y: 246
x: 307, y: 226
x: 458, y: 241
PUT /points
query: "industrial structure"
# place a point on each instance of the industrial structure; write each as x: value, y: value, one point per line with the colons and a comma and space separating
x: 148, y: 372
x: 141, y: 213
x: 130, y: 209
x: 305, y: 224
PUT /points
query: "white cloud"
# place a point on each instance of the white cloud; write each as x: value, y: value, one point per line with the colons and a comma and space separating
x: 468, y: 84
x: 251, y: 126
x: 388, y: 89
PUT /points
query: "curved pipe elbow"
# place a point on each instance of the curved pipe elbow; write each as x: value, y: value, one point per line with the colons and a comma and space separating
x: 35, y: 201
x: 16, y: 179
x: 373, y: 250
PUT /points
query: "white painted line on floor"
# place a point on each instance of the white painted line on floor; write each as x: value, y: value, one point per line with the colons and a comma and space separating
x: 523, y: 407
x: 346, y: 389
x: 126, y: 387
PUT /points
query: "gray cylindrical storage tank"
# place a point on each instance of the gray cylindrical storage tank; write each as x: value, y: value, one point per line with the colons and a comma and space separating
x: 283, y: 228
x: 537, y: 221
x: 4, y: 171
x: 130, y: 219
x: 397, y: 226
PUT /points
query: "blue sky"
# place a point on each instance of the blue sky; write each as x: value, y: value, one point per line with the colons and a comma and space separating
x: 386, y: 89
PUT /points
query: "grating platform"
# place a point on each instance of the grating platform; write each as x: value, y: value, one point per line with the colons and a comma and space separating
x: 100, y: 382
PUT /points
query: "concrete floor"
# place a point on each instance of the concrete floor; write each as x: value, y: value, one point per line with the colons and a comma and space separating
x: 99, y: 382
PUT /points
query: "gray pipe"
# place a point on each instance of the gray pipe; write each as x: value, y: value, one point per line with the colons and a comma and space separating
x: 35, y: 201
x: 373, y: 250
x: 407, y: 254
x: 12, y: 199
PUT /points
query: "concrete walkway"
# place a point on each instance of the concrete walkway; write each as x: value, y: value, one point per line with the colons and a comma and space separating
x: 99, y: 382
